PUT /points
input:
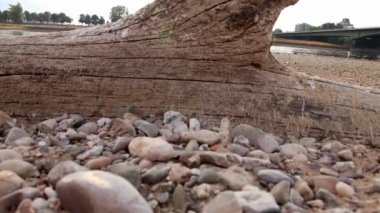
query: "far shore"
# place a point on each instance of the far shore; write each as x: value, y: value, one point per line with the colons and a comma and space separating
x: 38, y: 27
x: 287, y: 42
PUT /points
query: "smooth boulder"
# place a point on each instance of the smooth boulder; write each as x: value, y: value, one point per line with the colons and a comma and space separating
x: 153, y: 149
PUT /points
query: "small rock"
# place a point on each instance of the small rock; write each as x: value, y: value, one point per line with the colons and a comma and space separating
x: 15, y: 134
x: 291, y: 207
x: 250, y: 132
x: 5, y: 121
x: 25, y: 141
x: 241, y: 140
x: 316, y: 204
x: 12, y: 200
x: 127, y: 171
x: 101, y: 122
x: 62, y: 169
x: 121, y: 143
x: 156, y: 174
x: 25, y: 206
x: 307, y: 142
x: 259, y: 154
x: 194, y: 125
x: 39, y: 204
x: 202, y: 191
x: 236, y: 178
x: 359, y: 149
x: 147, y: 128
x: 50, y: 193
x: 344, y: 190
x: 192, y: 146
x: 251, y: 199
x: 162, y: 197
x: 346, y: 155
x: 376, y: 185
x: 209, y: 176
x: 47, y: 125
x: 172, y: 117
x: 296, y: 198
x: 281, y: 192
x: 202, y: 136
x: 332, y: 146
x: 122, y: 127
x: 303, y: 189
x: 267, y: 143
x: 9, y: 154
x: 327, y: 171
x: 180, y: 128
x: 153, y: 149
x: 344, y: 166
x: 88, y: 128
x: 300, y: 158
x: 330, y: 199
x: 252, y: 163
x: 93, y: 152
x: 92, y: 186
x: 21, y: 168
x: 292, y: 149
x: 179, y: 174
x: 225, y: 131
x: 273, y: 176
x: 237, y: 149
x: 324, y: 182
x: 98, y: 163
x: 180, y: 198
x: 9, y: 182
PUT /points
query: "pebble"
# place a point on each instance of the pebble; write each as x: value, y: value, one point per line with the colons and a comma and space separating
x: 376, y: 185
x: 281, y: 192
x: 258, y: 154
x: 172, y: 117
x: 50, y: 193
x: 202, y: 191
x: 324, y: 182
x: 62, y: 169
x: 147, y: 128
x: 47, y: 125
x: 292, y: 149
x: 304, y: 189
x: 194, y: 125
x: 91, y: 187
x: 238, y: 149
x: 122, y: 127
x: 346, y: 155
x: 9, y: 182
x: 179, y: 174
x: 273, y: 176
x: 9, y: 154
x: 225, y: 131
x: 14, y: 135
x: 20, y: 167
x: 102, y: 122
x: 121, y: 143
x: 236, y: 178
x: 88, y: 128
x: 328, y: 198
x: 344, y: 190
x: 252, y: 199
x: 93, y: 152
x: 39, y: 204
x: 202, y: 136
x: 180, y: 198
x: 300, y: 158
x: 307, y: 142
x: 327, y: 171
x: 249, y: 132
x: 156, y: 174
x: 319, y: 204
x: 209, y: 176
x: 153, y: 149
x: 12, y: 200
x: 98, y: 163
x: 162, y: 197
x: 332, y: 146
x: 344, y: 166
x: 127, y: 171
x: 241, y: 140
x: 296, y: 198
x: 267, y: 143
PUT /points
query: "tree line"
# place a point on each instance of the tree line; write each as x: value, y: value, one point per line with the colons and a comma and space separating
x: 91, y: 19
x: 16, y: 14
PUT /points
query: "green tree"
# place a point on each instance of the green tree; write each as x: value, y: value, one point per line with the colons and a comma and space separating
x: 16, y: 12
x: 34, y: 17
x: 118, y: 12
x: 278, y: 30
x: 47, y: 17
x: 87, y: 19
x: 328, y: 26
x: 101, y: 20
x: 68, y: 19
x: 41, y: 18
x: 61, y: 18
x: 55, y: 18
x: 27, y: 16
x: 82, y: 17
x: 95, y: 19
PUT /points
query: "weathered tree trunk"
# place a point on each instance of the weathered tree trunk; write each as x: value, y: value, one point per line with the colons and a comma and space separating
x: 205, y: 57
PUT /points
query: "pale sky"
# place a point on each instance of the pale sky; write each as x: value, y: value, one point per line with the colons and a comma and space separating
x: 362, y: 13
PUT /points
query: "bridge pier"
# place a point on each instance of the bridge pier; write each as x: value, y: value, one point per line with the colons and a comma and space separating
x: 365, y: 47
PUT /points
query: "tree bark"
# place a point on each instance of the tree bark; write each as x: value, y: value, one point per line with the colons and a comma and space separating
x: 206, y: 58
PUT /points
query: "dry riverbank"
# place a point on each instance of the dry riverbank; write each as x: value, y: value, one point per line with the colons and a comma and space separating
x: 355, y: 71
x: 38, y: 27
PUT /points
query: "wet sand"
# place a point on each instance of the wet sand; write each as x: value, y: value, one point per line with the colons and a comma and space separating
x: 354, y: 71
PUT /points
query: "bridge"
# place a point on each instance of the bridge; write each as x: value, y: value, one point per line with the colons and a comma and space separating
x: 362, y: 41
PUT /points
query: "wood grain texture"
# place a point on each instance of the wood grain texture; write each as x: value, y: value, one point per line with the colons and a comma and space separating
x: 206, y: 58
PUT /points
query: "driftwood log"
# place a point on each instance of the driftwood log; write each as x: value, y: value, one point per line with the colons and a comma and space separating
x: 208, y: 58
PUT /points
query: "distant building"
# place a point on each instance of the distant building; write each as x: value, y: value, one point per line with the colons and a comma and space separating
x: 346, y: 24
x: 302, y: 27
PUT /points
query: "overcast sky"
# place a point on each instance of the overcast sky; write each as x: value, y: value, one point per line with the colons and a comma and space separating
x: 362, y: 13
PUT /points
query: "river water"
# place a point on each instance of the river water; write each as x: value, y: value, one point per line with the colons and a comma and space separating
x: 18, y: 32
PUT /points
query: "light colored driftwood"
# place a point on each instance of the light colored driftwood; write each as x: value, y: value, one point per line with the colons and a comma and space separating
x: 210, y: 58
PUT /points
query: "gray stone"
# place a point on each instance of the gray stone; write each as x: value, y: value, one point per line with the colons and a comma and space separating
x: 344, y: 190
x: 147, y: 128
x: 21, y: 168
x: 259, y: 154
x: 296, y: 198
x: 273, y: 176
x: 238, y: 149
x: 121, y: 143
x: 236, y: 178
x: 291, y: 207
x: 267, y: 143
x: 307, y: 142
x: 202, y: 191
x: 194, y: 125
x: 209, y: 176
x: 47, y: 125
x: 251, y: 199
x: 101, y: 122
x: 304, y: 189
x: 122, y: 127
x: 330, y: 199
x: 172, y: 117
x: 15, y: 134
x: 324, y: 182
x: 192, y: 146
x: 332, y: 146
x: 156, y: 174
x: 346, y: 155
x: 12, y: 200
x: 127, y: 171
x: 9, y: 182
x: 344, y: 166
x: 180, y: 198
x: 153, y: 149
x: 250, y: 132
x: 203, y: 136
x: 99, y: 192
x: 281, y: 192
x: 89, y: 128
x: 39, y: 204
x: 98, y: 163
x: 93, y: 152
x: 292, y: 149
x: 376, y: 185
x: 241, y: 140
x: 8, y: 154
x: 62, y: 169
x: 162, y: 197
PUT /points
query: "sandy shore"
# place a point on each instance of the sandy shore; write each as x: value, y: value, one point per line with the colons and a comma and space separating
x: 355, y: 71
